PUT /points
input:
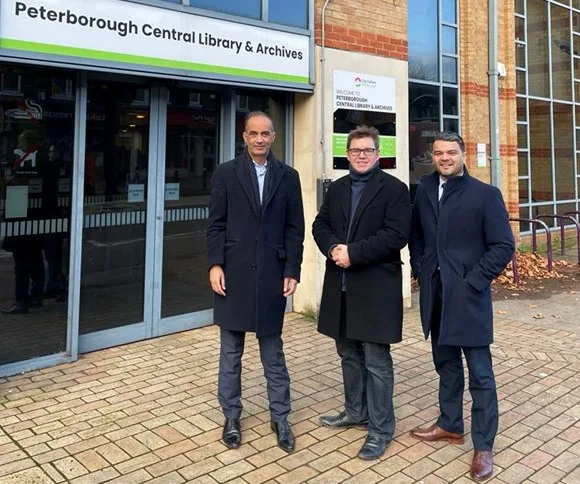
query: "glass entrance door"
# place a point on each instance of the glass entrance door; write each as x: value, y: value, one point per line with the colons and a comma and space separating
x: 114, y: 245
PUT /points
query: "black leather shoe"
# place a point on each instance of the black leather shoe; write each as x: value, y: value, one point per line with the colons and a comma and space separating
x: 16, y: 309
x: 373, y: 448
x: 341, y: 421
x: 232, y: 435
x: 286, y: 440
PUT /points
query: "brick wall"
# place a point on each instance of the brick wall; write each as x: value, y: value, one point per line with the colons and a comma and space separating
x: 473, y: 30
x: 376, y: 27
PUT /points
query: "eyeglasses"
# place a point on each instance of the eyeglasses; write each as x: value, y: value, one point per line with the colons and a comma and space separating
x: 358, y: 151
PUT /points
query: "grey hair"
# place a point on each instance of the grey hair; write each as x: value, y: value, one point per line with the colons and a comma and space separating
x: 451, y: 136
x: 255, y: 114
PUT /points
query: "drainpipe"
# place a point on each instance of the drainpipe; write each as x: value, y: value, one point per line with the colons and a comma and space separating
x: 322, y: 93
x: 493, y: 95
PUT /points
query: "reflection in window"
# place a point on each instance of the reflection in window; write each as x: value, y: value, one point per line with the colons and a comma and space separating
x: 564, y: 151
x: 247, y: 8
x: 561, y: 53
x: 423, y: 125
x: 450, y: 101
x: 450, y: 70
x: 449, y: 11
x: 294, y: 14
x: 423, y: 35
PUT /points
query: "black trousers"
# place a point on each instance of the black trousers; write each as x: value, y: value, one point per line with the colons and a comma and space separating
x: 368, y: 378
x: 28, y: 270
x: 449, y: 366
x: 230, y: 374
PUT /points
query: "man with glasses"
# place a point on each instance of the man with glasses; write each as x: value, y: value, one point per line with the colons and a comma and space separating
x: 361, y: 228
x: 254, y: 243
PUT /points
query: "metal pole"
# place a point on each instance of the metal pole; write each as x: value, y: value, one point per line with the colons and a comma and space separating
x: 322, y: 91
x: 493, y: 95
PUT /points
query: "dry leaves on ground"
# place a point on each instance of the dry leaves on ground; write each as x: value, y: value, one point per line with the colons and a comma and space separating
x: 530, y: 266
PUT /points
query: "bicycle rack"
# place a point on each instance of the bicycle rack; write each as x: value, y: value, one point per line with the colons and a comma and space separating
x: 561, y: 218
x: 534, y: 222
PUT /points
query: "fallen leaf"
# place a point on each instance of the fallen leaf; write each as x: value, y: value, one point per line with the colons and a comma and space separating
x: 501, y: 311
x: 538, y: 316
x: 533, y: 306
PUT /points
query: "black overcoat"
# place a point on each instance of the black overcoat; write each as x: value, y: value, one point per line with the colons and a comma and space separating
x: 380, y: 229
x: 469, y: 238
x: 257, y: 246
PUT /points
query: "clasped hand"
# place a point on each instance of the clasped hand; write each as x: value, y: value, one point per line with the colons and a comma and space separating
x: 340, y: 256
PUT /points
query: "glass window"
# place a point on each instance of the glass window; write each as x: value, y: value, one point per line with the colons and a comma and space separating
x: 449, y: 35
x: 423, y: 35
x: 520, y: 56
x: 247, y: 8
x: 449, y: 11
x: 37, y: 125
x: 451, y: 125
x: 520, y: 29
x: 450, y: 101
x: 539, y: 66
x: 520, y: 6
x: 564, y: 151
x: 561, y: 54
x: 521, y: 82
x: 522, y: 136
x: 523, y: 190
x: 423, y: 125
x: 521, y: 109
x: 523, y: 163
x: 449, y: 68
x: 293, y: 13
x: 540, y: 151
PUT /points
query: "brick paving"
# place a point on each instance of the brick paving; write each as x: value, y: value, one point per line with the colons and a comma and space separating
x: 147, y: 412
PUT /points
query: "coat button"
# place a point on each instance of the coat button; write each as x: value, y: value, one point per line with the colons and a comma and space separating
x: 254, y: 268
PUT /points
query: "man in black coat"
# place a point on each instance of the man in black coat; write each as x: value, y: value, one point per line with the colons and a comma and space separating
x: 361, y: 228
x: 254, y: 243
x: 461, y: 240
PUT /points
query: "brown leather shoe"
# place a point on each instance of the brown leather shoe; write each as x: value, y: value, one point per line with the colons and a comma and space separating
x: 437, y: 434
x: 482, y: 465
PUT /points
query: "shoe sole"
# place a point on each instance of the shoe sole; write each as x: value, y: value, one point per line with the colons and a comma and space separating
x: 443, y: 439
x: 481, y: 479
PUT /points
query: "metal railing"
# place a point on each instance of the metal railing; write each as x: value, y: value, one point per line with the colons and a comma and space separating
x: 534, y: 222
x: 561, y: 218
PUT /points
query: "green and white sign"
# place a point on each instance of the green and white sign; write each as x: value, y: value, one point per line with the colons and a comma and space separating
x: 152, y: 37
x: 360, y: 98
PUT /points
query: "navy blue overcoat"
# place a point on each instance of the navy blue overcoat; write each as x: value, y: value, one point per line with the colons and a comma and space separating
x: 468, y: 236
x: 256, y: 245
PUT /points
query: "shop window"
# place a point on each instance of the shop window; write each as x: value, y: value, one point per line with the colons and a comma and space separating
x: 37, y: 126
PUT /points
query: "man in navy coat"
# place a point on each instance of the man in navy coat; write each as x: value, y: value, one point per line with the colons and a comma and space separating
x: 254, y: 243
x: 461, y: 240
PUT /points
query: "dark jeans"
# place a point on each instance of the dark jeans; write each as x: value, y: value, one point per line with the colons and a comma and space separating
x: 367, y: 372
x: 230, y: 374
x: 449, y: 366
x: 28, y: 267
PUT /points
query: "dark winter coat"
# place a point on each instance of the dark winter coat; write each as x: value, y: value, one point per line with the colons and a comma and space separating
x: 380, y: 229
x: 257, y: 246
x: 469, y: 238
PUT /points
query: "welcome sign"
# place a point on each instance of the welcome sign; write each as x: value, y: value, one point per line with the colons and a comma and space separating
x: 360, y: 98
x: 153, y: 37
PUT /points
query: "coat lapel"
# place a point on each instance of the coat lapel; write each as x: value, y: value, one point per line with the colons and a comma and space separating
x: 432, y: 188
x: 345, y: 197
x: 276, y: 175
x: 245, y: 182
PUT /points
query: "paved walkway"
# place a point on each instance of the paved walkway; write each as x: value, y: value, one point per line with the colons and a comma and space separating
x: 147, y: 412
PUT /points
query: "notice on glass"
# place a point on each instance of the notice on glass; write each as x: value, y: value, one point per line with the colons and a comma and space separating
x: 135, y: 193
x: 172, y: 191
x: 16, y: 202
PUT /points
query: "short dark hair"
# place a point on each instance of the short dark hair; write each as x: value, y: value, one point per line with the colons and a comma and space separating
x: 363, y: 132
x: 451, y: 136
x: 255, y: 114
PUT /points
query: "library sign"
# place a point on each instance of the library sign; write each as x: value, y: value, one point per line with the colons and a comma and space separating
x: 154, y: 38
